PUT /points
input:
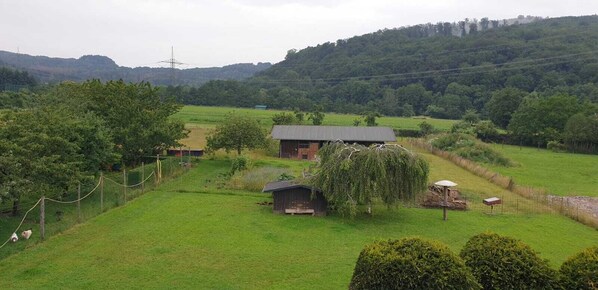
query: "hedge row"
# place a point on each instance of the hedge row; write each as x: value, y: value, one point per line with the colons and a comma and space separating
x: 487, y: 261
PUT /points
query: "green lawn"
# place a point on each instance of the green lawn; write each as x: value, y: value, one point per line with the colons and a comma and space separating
x: 191, y: 234
x: 558, y: 173
x: 210, y: 116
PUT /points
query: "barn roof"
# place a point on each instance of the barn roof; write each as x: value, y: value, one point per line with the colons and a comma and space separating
x: 282, y: 185
x: 333, y: 133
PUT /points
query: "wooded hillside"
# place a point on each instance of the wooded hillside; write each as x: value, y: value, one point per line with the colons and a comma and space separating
x: 424, y: 69
x: 52, y: 70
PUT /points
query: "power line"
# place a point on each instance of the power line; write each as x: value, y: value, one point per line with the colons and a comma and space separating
x: 459, y: 71
x: 173, y: 64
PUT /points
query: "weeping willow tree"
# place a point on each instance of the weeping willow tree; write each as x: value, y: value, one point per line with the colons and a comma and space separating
x: 352, y: 175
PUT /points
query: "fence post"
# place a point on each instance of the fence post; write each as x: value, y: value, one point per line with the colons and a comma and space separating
x: 158, y: 168
x: 79, y: 202
x: 125, y: 183
x: 142, y: 177
x: 444, y: 217
x: 42, y: 217
x: 101, y: 192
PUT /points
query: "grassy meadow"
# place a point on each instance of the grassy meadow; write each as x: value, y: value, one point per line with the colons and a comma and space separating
x: 193, y: 232
x: 211, y: 116
x: 557, y: 173
x: 200, y: 231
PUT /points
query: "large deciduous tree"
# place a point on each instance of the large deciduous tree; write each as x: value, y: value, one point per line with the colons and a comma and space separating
x: 502, y: 105
x: 581, y: 131
x: 137, y: 117
x: 539, y: 120
x: 236, y: 133
x: 45, y: 151
x: 352, y: 175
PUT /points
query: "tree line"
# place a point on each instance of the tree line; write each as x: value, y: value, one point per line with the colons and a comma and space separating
x: 14, y: 79
x: 66, y: 134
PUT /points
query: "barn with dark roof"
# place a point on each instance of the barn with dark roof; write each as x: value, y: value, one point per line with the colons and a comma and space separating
x: 303, y: 142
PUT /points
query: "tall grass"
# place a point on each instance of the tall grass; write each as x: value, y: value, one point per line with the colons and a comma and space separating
x: 468, y: 147
x: 538, y: 195
x: 255, y: 179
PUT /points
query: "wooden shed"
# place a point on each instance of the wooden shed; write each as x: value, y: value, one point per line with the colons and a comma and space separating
x: 303, y: 142
x: 293, y: 198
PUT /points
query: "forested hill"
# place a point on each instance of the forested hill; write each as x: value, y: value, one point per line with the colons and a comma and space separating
x: 424, y: 69
x: 51, y: 70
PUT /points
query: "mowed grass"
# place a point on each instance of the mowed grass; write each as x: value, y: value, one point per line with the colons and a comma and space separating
x: 557, y: 173
x: 192, y: 234
x: 211, y: 116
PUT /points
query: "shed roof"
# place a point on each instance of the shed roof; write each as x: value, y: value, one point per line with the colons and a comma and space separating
x: 282, y: 185
x: 333, y: 133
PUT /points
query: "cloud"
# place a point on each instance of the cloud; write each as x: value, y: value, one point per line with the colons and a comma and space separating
x: 215, y: 33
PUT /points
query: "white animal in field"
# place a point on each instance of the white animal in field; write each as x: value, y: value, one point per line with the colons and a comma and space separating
x: 14, y: 238
x: 26, y: 234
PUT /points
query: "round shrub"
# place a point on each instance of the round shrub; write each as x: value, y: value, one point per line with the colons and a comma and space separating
x: 410, y: 263
x: 505, y: 263
x: 581, y: 270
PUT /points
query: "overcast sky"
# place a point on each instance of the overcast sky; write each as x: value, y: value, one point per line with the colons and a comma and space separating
x: 216, y: 33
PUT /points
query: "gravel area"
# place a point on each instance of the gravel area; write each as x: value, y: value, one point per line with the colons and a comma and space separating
x: 582, y: 203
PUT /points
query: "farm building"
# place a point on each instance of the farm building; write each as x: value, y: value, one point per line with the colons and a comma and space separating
x: 303, y: 142
x: 295, y: 198
x: 178, y: 152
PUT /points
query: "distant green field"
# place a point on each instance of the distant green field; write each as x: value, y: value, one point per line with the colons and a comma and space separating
x: 214, y: 115
x: 191, y: 233
x: 558, y: 173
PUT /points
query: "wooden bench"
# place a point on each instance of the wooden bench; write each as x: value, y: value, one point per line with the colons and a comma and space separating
x: 294, y: 211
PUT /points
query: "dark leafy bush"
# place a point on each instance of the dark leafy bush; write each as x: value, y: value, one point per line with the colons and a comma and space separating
x: 581, y: 270
x: 556, y: 146
x: 450, y: 142
x: 407, y: 133
x: 426, y: 128
x: 410, y: 263
x: 240, y: 163
x: 285, y: 176
x: 505, y: 263
x: 284, y: 119
x: 486, y: 131
x: 463, y: 127
x: 468, y: 147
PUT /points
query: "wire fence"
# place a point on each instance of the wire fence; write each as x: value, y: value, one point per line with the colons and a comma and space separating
x: 47, y: 216
x: 519, y: 198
